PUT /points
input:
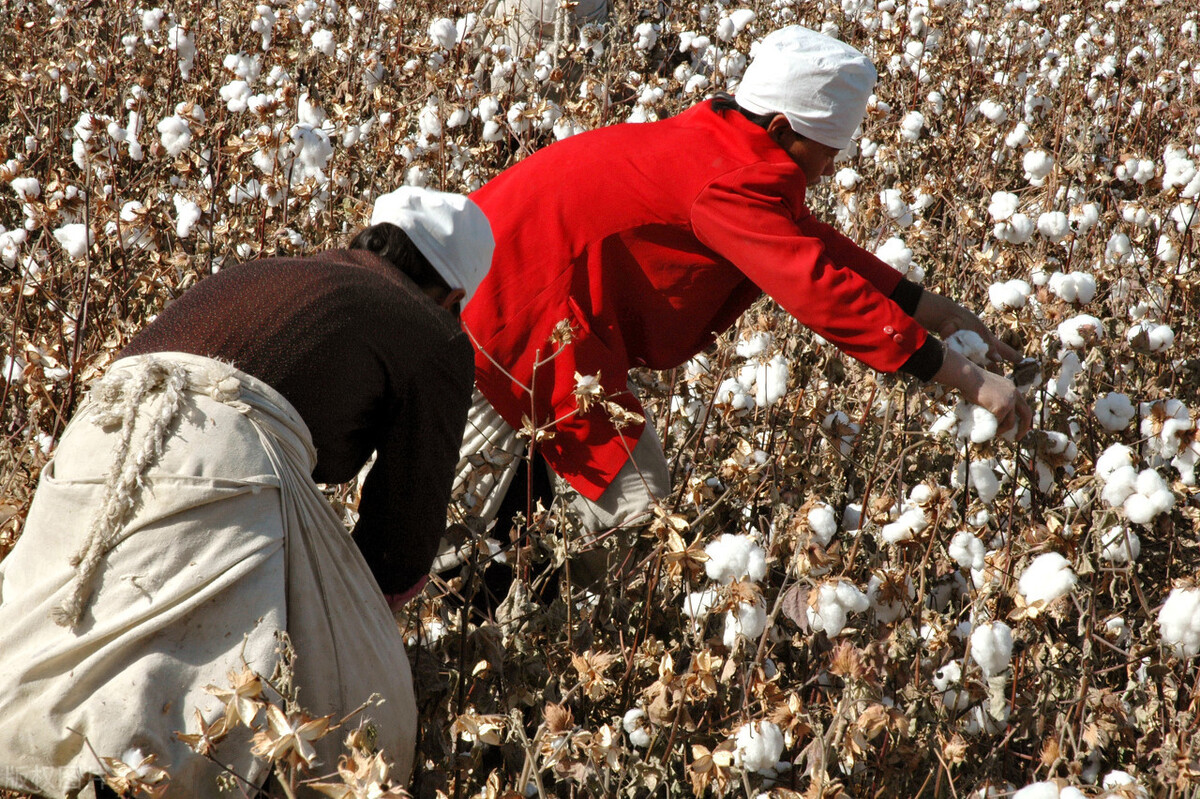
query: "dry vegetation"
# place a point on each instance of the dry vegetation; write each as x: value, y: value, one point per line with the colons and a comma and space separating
x: 531, y: 696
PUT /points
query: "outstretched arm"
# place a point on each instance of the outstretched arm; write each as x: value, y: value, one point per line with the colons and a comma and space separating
x: 944, y: 316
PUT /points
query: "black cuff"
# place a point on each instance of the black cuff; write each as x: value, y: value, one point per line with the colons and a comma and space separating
x: 926, y: 361
x: 907, y: 294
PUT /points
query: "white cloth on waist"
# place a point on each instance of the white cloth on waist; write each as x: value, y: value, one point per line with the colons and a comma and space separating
x: 227, y: 542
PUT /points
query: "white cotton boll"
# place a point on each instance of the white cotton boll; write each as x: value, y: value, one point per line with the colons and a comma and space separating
x: 1120, y: 484
x: 991, y: 647
x: 1118, y: 248
x: 993, y: 111
x: 645, y: 37
x: 1009, y: 295
x: 822, y: 523
x: 911, y: 125
x: 323, y: 42
x: 984, y: 481
x: 910, y: 523
x: 847, y: 178
x: 834, y: 602
x: 429, y: 120
x: 1018, y: 229
x: 187, y: 214
x: 734, y: 557
x: 1120, y: 545
x: 1166, y: 250
x: 947, y: 676
x: 895, y: 207
x: 771, y: 381
x: 1079, y: 331
x: 969, y: 344
x: 1076, y: 287
x: 747, y: 621
x: 443, y: 32
x: 1186, y: 461
x: 754, y: 345
x: 1160, y: 337
x: 1047, y: 578
x: 75, y: 238
x: 236, y: 95
x: 1018, y: 136
x: 852, y: 517
x: 26, y: 189
x: 696, y: 84
x: 983, y: 425
x: 1114, y: 411
x: 1116, y: 456
x: 887, y: 610
x: 635, y: 727
x: 895, y: 253
x: 759, y: 746
x: 1038, y: 790
x: 967, y: 550
x: 175, y: 134
x: 1054, y: 226
x: 1003, y: 205
x: 1124, y: 784
x: 697, y: 604
x: 1037, y: 164
x: 11, y: 243
x: 1179, y: 621
x: 181, y: 41
x: 517, y: 117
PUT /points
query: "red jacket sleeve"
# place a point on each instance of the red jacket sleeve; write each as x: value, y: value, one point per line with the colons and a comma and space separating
x: 756, y: 217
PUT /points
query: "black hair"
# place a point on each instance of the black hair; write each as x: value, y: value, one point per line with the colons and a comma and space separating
x: 394, y: 246
x: 725, y: 102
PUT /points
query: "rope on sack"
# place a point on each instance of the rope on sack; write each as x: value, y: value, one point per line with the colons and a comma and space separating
x: 119, y: 398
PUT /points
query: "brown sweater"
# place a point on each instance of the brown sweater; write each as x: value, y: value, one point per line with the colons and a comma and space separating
x: 369, y: 362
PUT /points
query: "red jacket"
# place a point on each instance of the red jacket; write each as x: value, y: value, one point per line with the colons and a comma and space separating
x: 650, y: 240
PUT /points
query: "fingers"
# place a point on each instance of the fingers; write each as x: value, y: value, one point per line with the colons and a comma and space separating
x: 1024, y: 416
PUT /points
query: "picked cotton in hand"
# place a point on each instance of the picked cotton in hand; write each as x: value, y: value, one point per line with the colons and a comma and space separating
x: 970, y: 345
x: 732, y: 557
x: 1047, y: 578
x: 991, y: 647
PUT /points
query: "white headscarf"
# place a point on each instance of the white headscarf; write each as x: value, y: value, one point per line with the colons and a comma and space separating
x: 819, y: 83
x: 448, y: 229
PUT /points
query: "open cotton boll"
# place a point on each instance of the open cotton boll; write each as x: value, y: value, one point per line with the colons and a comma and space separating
x: 834, y: 601
x: 1047, y: 578
x: 443, y: 32
x: 993, y: 111
x: 1179, y: 621
x: 1150, y: 336
x: 1054, y: 226
x: 1080, y: 331
x: 1009, y: 295
x: 1124, y: 784
x: 75, y: 238
x: 889, y: 605
x: 967, y: 550
x: 1151, y: 497
x: 822, y: 523
x: 1075, y: 287
x: 991, y: 647
x: 1116, y: 456
x: 1003, y: 205
x: 1186, y: 462
x: 1120, y: 545
x: 755, y: 344
x: 980, y: 426
x: 323, y: 42
x: 1119, y: 485
x: 734, y: 557
x: 911, y: 522
x: 175, y: 134
x: 895, y: 253
x: 771, y: 381
x: 1017, y: 229
x: 911, y: 125
x: 1114, y: 411
x: 1037, y: 164
x: 970, y: 345
x: 745, y: 620
x: 984, y: 481
x: 758, y: 747
x: 26, y: 188
x: 697, y: 604
x: 635, y: 727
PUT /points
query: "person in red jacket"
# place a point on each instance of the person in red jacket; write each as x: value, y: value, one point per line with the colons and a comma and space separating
x: 638, y: 244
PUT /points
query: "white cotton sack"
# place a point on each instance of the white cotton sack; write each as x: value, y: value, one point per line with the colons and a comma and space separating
x: 759, y: 746
x: 1047, y: 578
x: 1179, y: 621
x: 734, y: 557
x: 991, y: 647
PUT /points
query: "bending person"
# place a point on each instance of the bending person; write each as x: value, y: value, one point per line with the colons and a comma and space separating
x: 179, y: 525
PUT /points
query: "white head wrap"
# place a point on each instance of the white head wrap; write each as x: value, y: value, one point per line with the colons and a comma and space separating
x: 819, y: 83
x: 448, y: 229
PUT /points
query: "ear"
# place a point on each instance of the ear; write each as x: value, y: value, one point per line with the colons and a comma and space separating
x: 779, y: 129
x: 453, y: 298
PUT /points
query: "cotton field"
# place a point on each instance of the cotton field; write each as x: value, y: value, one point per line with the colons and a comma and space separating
x: 858, y: 588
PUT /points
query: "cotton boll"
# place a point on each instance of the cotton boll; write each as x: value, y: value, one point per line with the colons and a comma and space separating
x: 1018, y: 136
x: 182, y: 42
x: 1116, y: 456
x: 747, y: 621
x: 983, y: 425
x: 635, y: 727
x: 911, y: 522
x: 1038, y: 790
x: 75, y: 238
x: 443, y: 32
x: 732, y: 557
x: 1076, y: 287
x: 1054, y: 226
x: 991, y: 647
x: 323, y: 42
x: 1080, y: 331
x: 1122, y: 783
x: 822, y: 523
x: 852, y: 517
x: 887, y: 606
x: 1003, y: 205
x: 967, y: 550
x: 1016, y: 230
x: 26, y: 189
x: 993, y: 111
x: 834, y: 602
x: 754, y: 345
x: 1010, y: 295
x: 697, y: 604
x: 1120, y: 545
x: 1047, y: 578
x: 759, y: 746
x: 983, y: 480
x: 895, y: 253
x: 847, y: 178
x: 1037, y: 164
x: 895, y: 207
x: 175, y: 134
x: 1114, y: 411
x: 911, y: 125
x: 1179, y: 621
x: 1119, y: 486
